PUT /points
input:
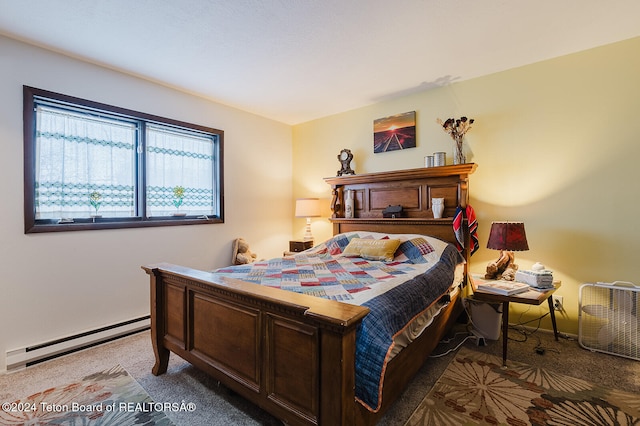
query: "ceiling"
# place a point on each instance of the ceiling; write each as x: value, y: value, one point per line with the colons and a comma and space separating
x: 298, y: 60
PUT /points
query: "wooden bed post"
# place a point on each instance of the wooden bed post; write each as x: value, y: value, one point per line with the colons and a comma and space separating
x: 337, y: 203
x: 157, y: 323
x: 463, y: 197
x: 337, y: 377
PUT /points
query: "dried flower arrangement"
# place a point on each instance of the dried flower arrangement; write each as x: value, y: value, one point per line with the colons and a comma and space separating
x: 457, y: 128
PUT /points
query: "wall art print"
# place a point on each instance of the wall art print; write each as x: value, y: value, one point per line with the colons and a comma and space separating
x: 394, y: 132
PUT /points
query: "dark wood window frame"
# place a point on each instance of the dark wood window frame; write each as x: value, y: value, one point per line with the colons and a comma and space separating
x: 33, y: 225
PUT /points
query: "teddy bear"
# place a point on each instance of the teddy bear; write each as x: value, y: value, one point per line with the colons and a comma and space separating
x: 243, y: 253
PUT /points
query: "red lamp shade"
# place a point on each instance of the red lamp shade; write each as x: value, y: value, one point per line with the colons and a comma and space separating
x: 507, y: 236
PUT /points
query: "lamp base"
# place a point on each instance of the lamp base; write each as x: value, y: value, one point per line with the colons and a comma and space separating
x: 307, y: 232
x: 503, y: 268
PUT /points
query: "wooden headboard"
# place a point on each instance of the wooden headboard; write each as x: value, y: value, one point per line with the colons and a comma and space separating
x: 413, y: 189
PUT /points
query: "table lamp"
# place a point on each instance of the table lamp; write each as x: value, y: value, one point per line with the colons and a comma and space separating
x: 506, y: 237
x: 308, y: 207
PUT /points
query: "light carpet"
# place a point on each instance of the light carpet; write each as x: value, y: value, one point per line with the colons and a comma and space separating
x: 475, y: 390
x: 110, y: 397
x: 218, y: 406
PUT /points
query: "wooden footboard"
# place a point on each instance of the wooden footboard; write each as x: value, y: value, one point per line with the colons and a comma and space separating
x: 291, y: 354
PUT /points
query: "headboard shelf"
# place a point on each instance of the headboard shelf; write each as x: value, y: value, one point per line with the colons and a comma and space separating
x: 440, y: 228
x: 456, y: 169
x: 412, y: 188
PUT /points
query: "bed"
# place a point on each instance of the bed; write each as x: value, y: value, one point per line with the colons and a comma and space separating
x: 296, y: 355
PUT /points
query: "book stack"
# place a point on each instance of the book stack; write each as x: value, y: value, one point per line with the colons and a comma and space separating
x: 542, y: 279
x: 505, y: 288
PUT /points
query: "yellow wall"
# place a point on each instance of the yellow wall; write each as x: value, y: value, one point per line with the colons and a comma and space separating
x: 556, y: 145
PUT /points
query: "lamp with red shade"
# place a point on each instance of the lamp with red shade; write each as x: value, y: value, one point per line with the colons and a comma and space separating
x: 506, y: 237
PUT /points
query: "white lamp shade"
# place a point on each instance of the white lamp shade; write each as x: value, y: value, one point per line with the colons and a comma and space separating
x: 307, y: 207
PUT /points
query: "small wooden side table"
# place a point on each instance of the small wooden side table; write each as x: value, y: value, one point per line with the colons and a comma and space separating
x: 298, y: 246
x: 531, y: 297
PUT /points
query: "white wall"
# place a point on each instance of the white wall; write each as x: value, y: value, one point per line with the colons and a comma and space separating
x: 57, y: 284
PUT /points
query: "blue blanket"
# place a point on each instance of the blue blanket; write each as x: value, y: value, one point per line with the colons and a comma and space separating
x: 377, y: 330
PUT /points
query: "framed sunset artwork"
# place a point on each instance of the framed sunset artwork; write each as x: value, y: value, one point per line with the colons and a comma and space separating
x: 394, y: 132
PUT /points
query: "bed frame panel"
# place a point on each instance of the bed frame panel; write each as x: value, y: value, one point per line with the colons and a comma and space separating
x: 293, y: 354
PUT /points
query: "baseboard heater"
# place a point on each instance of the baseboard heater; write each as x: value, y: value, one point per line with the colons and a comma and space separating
x: 18, y: 359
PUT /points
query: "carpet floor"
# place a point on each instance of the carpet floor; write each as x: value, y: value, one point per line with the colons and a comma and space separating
x: 476, y: 389
x: 216, y: 405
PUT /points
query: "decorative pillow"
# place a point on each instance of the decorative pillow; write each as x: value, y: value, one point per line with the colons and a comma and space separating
x: 414, y: 250
x: 371, y: 249
x: 337, y: 244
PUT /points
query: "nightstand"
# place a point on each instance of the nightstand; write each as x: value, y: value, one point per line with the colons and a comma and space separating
x: 530, y: 297
x: 298, y: 246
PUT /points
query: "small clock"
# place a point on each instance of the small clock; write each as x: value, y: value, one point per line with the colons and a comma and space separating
x: 345, y: 158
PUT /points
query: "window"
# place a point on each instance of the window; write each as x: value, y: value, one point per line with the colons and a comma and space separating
x: 92, y: 166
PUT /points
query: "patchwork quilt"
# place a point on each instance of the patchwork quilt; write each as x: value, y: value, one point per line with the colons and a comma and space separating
x: 422, y: 270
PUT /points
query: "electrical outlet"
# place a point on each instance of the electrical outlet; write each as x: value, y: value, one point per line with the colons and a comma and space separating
x: 557, y: 302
